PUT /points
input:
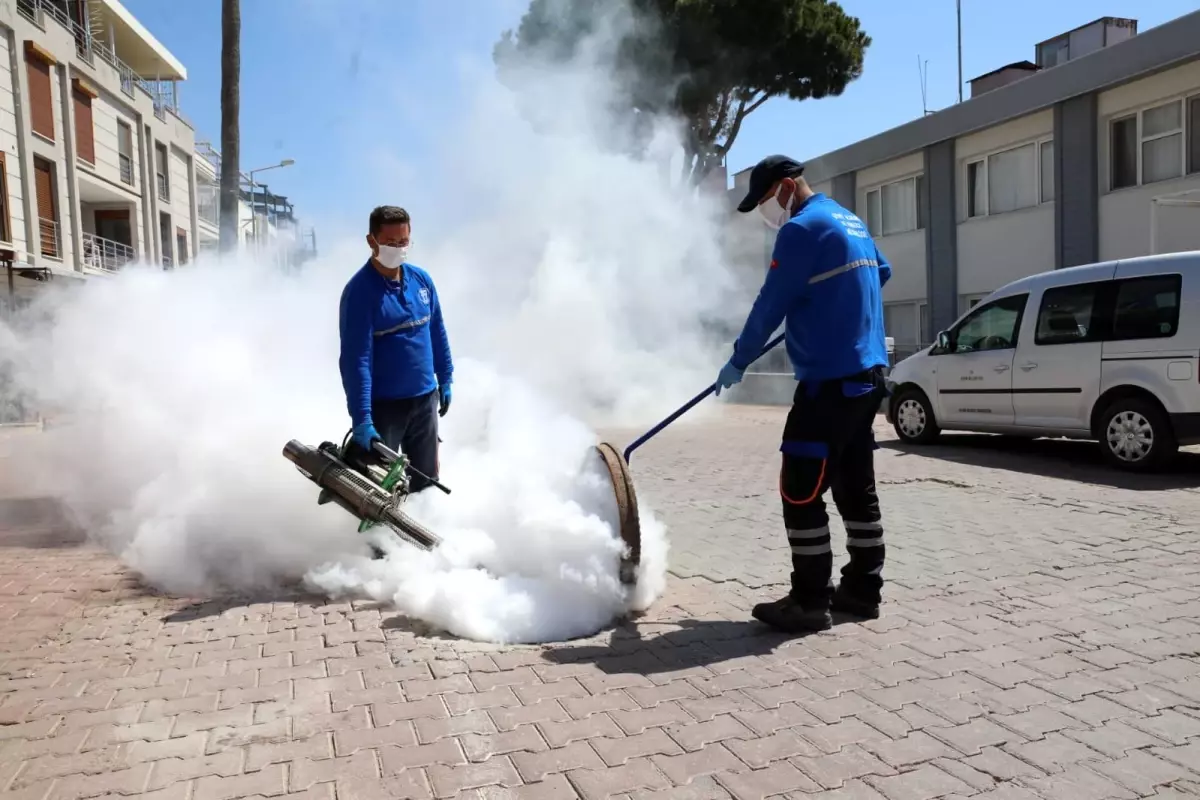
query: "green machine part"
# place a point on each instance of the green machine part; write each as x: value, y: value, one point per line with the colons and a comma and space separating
x: 394, y: 477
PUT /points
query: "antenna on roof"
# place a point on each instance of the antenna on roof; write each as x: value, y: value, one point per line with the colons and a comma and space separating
x: 960, y: 77
x: 923, y: 73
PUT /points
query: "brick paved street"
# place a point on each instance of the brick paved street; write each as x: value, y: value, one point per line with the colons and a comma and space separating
x: 1040, y: 639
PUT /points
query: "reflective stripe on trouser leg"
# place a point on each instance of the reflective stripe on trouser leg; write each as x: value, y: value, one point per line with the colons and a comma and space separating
x: 864, y: 542
x: 858, y: 503
x: 801, y: 486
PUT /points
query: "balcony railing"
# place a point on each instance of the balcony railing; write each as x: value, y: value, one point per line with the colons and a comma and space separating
x: 89, y: 46
x: 50, y: 238
x: 126, y: 168
x: 208, y: 203
x: 164, y: 188
x: 105, y: 254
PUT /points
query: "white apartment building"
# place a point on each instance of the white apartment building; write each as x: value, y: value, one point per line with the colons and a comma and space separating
x: 96, y: 159
x: 1089, y: 153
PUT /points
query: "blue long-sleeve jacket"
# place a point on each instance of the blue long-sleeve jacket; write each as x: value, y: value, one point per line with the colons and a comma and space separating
x: 393, y: 339
x: 826, y: 280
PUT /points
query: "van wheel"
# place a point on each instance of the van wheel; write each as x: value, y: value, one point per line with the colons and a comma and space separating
x: 914, y: 421
x: 1135, y: 434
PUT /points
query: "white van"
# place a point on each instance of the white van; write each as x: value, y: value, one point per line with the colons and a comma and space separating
x: 1109, y: 352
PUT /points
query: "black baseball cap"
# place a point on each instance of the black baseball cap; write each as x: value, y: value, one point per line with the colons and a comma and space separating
x: 766, y: 174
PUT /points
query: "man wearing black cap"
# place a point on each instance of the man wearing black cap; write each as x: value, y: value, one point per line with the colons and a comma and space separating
x: 825, y: 281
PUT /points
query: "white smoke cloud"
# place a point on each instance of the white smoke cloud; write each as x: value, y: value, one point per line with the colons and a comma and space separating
x: 576, y: 281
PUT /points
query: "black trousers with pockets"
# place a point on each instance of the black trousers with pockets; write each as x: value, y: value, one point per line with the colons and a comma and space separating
x: 410, y: 426
x: 828, y: 443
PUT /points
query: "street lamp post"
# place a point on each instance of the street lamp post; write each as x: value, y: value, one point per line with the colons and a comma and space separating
x: 287, y: 162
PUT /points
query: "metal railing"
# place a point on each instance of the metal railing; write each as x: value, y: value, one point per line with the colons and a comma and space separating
x: 89, y: 46
x: 209, y: 153
x: 208, y: 203
x: 105, y: 254
x: 164, y: 188
x: 126, y: 163
x: 51, y: 241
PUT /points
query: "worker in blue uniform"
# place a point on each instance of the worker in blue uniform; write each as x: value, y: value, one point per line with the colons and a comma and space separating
x: 395, y: 358
x: 825, y: 285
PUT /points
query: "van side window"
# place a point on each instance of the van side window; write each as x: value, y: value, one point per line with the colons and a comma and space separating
x: 1068, y: 314
x: 1147, y: 308
x: 991, y: 327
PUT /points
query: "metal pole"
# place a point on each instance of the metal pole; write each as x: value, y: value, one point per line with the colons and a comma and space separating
x: 253, y: 214
x: 960, y: 75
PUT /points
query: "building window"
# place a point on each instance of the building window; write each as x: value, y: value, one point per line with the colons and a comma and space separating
x: 85, y: 136
x: 1046, y: 171
x: 47, y: 209
x: 1162, y: 142
x: 976, y: 190
x: 125, y: 151
x: 895, y: 207
x: 41, y: 97
x: 1193, y: 135
x: 161, y: 167
x: 1012, y: 179
x: 1124, y: 152
x: 5, y: 218
x: 1155, y: 144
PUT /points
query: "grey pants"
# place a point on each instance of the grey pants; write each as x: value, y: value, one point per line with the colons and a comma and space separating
x: 410, y: 426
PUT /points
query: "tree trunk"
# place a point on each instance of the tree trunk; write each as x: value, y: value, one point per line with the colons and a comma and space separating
x: 231, y: 67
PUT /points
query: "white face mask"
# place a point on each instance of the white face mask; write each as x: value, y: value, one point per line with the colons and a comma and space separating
x: 773, y: 212
x: 392, y: 257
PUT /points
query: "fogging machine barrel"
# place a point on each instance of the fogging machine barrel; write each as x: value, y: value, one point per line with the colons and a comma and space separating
x: 347, y: 488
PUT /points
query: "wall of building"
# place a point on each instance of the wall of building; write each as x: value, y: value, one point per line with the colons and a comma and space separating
x: 1002, y: 247
x: 107, y: 111
x: 1125, y: 213
x: 904, y: 251
x: 9, y: 143
x: 181, y: 198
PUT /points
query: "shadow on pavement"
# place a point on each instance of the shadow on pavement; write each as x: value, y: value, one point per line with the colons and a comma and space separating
x: 1053, y: 458
x: 218, y: 606
x: 696, y: 643
x: 37, y: 523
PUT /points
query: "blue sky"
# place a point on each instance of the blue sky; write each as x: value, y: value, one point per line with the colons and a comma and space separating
x: 334, y: 84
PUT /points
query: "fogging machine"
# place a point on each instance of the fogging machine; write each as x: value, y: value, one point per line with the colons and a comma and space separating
x: 370, y: 484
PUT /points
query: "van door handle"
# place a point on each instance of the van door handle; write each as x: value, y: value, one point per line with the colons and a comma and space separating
x: 1002, y: 368
x: 1028, y: 366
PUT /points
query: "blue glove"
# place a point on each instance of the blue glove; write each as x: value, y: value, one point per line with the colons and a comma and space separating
x: 443, y: 399
x: 365, y: 435
x: 728, y: 376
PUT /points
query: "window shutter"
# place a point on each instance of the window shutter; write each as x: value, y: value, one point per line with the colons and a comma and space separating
x: 85, y: 137
x: 41, y: 97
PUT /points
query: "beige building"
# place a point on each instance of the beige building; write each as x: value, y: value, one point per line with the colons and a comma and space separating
x: 96, y: 158
x: 1089, y: 153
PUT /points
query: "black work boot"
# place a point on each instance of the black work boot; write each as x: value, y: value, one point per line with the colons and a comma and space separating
x: 844, y: 602
x: 789, y: 616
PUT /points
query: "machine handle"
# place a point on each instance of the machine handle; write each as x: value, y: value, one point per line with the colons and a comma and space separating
x: 383, y: 451
x: 390, y: 456
x: 650, y: 434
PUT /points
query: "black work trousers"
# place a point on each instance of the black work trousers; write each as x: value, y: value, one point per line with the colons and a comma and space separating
x: 410, y: 426
x: 828, y: 443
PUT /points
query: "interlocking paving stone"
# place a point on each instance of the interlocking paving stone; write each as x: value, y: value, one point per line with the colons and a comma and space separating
x: 1040, y: 639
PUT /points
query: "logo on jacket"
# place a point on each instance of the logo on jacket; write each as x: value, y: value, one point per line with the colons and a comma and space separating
x: 423, y: 293
x: 774, y: 264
